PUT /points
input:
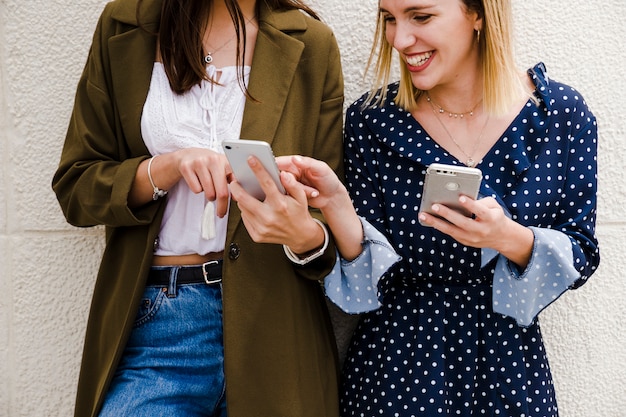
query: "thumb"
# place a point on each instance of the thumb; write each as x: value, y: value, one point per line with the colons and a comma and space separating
x: 295, y: 188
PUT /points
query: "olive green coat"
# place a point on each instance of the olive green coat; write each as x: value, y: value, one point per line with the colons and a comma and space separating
x: 280, y: 354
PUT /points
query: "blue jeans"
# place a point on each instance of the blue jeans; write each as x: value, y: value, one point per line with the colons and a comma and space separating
x: 173, y: 364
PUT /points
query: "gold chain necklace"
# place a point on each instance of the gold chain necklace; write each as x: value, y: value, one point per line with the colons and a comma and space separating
x: 208, y: 58
x: 452, y: 114
x: 470, y: 162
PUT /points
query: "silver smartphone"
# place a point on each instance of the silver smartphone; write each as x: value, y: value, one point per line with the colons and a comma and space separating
x: 238, y: 151
x: 444, y: 184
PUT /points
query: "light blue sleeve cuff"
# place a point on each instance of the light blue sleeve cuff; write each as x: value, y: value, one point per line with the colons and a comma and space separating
x: 550, y: 272
x: 353, y: 285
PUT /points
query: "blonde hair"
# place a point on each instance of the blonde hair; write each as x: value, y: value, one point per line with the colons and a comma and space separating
x: 502, y: 84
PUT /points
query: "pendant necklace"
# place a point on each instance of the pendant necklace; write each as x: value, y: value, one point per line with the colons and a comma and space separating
x: 208, y: 58
x: 470, y: 162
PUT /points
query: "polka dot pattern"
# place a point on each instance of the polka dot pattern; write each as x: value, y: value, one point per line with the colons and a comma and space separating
x: 353, y: 286
x: 436, y: 347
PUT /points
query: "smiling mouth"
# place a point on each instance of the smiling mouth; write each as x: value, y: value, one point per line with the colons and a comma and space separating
x: 419, y: 59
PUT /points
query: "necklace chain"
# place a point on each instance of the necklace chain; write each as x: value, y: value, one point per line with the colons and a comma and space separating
x: 470, y: 162
x: 470, y: 112
x: 208, y: 58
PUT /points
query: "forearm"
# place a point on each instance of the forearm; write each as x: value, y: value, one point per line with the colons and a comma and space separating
x: 516, y: 244
x: 344, y: 224
x: 164, y: 176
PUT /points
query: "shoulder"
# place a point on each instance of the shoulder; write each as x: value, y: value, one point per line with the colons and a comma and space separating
x: 379, y: 116
x: 126, y: 12
x: 295, y: 23
x: 361, y: 106
x: 316, y: 27
x: 556, y: 96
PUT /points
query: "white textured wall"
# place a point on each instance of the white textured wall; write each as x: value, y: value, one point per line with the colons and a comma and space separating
x: 47, y: 268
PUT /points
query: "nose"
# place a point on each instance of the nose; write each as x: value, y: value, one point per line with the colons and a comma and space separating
x: 402, y: 36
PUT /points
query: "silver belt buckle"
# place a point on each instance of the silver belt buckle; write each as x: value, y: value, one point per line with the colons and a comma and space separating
x: 205, y: 274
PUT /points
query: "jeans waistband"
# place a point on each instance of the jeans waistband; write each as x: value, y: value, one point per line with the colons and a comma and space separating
x: 208, y: 273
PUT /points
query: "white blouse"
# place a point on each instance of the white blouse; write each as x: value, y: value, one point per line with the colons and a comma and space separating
x: 201, y: 118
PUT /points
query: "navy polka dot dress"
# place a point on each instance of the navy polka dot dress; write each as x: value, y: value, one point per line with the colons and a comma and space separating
x: 448, y: 341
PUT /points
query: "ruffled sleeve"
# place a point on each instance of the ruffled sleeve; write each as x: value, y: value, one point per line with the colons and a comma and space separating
x: 549, y: 274
x: 353, y: 285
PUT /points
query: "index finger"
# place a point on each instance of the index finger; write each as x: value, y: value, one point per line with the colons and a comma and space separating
x: 285, y: 163
x: 270, y: 186
x: 471, y: 205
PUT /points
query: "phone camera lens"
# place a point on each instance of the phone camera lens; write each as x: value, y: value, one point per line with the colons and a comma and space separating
x: 453, y: 186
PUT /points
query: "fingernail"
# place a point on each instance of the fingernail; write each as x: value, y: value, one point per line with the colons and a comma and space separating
x: 435, y: 207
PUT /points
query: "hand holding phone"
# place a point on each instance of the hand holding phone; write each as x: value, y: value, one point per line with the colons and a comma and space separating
x: 238, y: 152
x: 444, y: 184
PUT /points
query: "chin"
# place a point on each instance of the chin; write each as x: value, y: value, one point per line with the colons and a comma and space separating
x: 421, y: 84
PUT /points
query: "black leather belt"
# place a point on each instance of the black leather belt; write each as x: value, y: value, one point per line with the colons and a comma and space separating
x: 208, y: 273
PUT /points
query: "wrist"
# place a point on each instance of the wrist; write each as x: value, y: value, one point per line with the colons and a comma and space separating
x: 519, y: 245
x: 338, y: 204
x: 156, y: 191
x: 309, y: 255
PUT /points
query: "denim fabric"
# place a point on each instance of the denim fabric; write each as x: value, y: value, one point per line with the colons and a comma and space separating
x: 173, y: 362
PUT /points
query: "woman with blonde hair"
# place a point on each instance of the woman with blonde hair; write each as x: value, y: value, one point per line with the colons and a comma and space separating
x: 452, y: 328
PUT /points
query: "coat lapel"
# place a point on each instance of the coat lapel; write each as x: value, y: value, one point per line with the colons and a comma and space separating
x: 275, y: 61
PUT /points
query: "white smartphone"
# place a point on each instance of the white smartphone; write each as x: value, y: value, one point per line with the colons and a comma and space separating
x: 238, y: 151
x: 444, y: 184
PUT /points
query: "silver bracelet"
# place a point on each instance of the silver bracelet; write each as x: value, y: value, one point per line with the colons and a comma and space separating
x: 156, y: 191
x: 297, y: 260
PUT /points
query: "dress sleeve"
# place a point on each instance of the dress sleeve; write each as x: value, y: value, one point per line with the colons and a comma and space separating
x: 565, y: 253
x: 353, y: 285
x: 549, y: 274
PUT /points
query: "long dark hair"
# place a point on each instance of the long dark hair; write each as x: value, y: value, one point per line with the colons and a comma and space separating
x: 182, y: 26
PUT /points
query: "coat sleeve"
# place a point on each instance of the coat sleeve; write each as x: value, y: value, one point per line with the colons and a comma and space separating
x: 96, y: 170
x: 328, y: 143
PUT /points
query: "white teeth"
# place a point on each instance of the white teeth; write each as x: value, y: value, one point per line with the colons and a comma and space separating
x: 417, y: 60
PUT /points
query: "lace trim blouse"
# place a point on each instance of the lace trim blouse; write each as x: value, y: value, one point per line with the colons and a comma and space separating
x: 201, y: 118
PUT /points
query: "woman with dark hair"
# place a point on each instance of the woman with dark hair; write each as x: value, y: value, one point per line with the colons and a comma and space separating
x: 190, y: 316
